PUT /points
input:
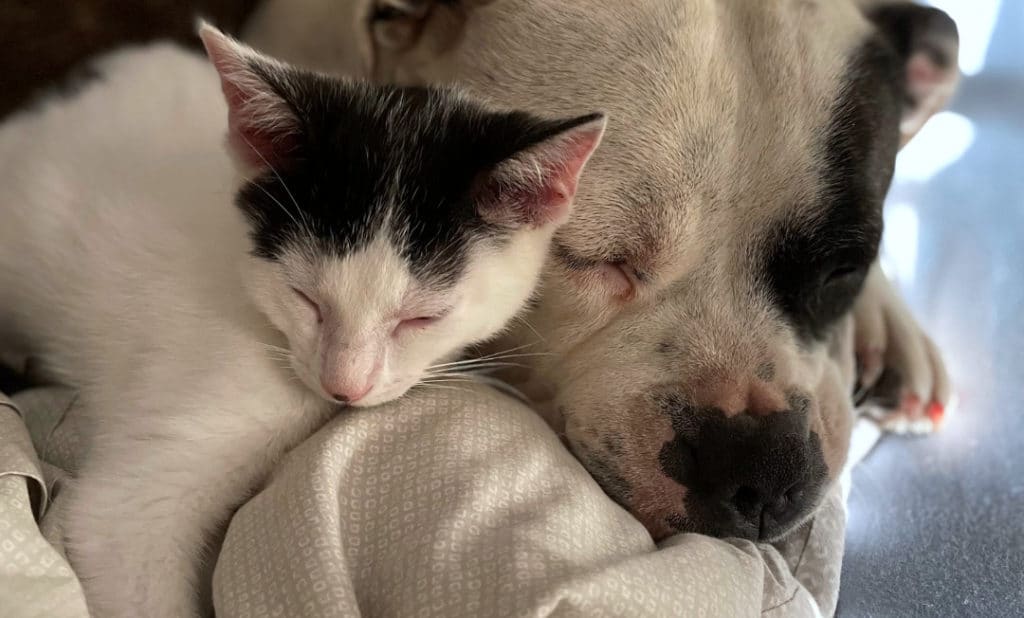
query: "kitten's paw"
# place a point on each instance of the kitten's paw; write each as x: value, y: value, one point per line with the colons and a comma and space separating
x: 902, y: 380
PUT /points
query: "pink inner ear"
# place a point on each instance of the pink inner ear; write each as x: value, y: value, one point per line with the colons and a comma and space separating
x: 921, y: 69
x: 924, y: 76
x: 929, y: 86
x: 262, y: 129
x: 536, y: 187
x: 257, y: 147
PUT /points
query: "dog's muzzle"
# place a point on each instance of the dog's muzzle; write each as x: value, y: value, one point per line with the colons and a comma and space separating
x: 751, y: 476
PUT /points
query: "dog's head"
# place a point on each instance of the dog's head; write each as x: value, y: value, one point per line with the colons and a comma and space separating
x: 694, y: 306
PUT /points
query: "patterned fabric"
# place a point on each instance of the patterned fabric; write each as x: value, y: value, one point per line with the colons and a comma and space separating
x: 35, y: 579
x: 447, y: 503
x: 455, y: 504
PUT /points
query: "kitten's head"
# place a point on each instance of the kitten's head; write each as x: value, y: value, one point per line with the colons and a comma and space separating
x: 391, y: 227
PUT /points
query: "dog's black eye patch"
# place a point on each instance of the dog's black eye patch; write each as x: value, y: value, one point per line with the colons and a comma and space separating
x: 814, y: 266
x: 815, y: 275
x: 814, y: 272
x: 836, y: 295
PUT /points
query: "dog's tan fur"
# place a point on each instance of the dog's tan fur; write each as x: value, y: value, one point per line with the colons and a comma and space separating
x: 715, y: 110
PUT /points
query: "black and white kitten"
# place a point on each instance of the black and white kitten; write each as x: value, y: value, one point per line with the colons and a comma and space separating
x: 214, y: 309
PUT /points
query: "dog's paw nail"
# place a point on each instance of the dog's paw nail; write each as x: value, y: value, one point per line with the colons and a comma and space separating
x: 911, y: 404
x: 936, y: 412
x: 922, y: 426
x: 895, y: 423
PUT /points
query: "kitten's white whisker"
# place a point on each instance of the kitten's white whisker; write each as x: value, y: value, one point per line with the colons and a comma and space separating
x: 526, y: 323
x: 504, y: 387
x: 477, y: 361
x: 486, y: 380
x: 471, y: 361
x: 459, y: 377
x: 279, y: 204
x: 475, y: 364
x: 443, y: 388
x: 273, y: 349
x: 493, y: 356
x: 272, y: 346
x: 515, y: 349
x: 434, y: 382
x: 519, y: 355
x: 279, y: 353
x: 477, y: 368
x: 447, y: 374
x: 302, y: 226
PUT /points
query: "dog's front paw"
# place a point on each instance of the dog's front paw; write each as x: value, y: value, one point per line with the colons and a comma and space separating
x: 902, y: 381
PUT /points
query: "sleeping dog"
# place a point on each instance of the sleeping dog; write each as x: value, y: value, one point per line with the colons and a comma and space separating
x: 696, y: 314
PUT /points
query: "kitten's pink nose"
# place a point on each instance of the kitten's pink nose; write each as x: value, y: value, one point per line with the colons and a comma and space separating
x: 350, y: 371
x: 348, y: 395
x: 350, y: 386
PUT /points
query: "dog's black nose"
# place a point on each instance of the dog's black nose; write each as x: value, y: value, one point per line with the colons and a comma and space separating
x: 766, y: 507
x: 753, y: 477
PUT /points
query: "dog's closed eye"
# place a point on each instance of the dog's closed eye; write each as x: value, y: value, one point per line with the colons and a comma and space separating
x: 620, y: 278
x: 614, y: 277
x: 837, y: 291
x: 844, y: 272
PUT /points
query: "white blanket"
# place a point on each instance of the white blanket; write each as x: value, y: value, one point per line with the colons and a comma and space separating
x: 446, y: 503
x: 465, y: 504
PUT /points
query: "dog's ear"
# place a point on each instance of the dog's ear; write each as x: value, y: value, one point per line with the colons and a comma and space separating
x: 927, y: 41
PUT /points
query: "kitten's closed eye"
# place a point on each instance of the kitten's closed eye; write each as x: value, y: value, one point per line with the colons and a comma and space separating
x: 311, y: 303
x: 419, y: 322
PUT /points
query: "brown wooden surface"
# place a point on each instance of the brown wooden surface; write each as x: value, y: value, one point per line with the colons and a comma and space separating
x: 42, y: 40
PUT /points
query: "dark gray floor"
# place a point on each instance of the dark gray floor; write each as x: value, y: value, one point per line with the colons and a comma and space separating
x: 937, y: 524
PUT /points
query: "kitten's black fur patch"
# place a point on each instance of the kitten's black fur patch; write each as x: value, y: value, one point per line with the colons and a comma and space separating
x: 370, y: 153
x: 815, y: 270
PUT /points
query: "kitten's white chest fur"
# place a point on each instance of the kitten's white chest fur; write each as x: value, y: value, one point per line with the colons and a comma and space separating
x: 87, y: 201
x: 159, y: 243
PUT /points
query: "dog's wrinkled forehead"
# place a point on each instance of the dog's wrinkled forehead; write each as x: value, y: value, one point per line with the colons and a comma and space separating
x: 772, y: 116
x: 755, y: 138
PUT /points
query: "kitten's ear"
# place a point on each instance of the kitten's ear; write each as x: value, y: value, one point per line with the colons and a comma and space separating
x: 262, y: 127
x: 536, y: 185
x: 928, y: 43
